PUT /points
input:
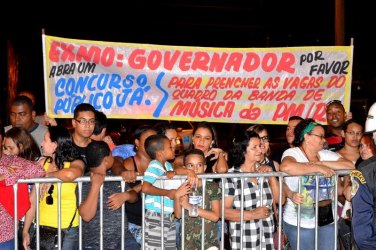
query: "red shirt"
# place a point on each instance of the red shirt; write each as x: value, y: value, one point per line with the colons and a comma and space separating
x: 29, y: 170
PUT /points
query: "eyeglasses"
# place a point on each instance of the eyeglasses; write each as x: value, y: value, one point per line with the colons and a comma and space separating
x: 83, y: 121
x: 265, y: 138
x: 357, y: 133
x: 333, y: 101
x: 320, y: 136
x: 49, y: 198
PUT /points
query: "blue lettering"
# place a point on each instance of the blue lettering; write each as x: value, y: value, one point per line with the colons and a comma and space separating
x: 137, y: 96
x: 142, y: 80
x: 81, y: 83
x: 95, y: 100
x: 107, y: 100
x: 101, y: 83
x: 91, y: 99
x: 61, y: 105
x: 77, y: 100
x: 91, y: 80
x: 68, y: 104
x: 115, y: 81
x: 128, y: 81
x: 59, y: 85
x: 162, y: 102
x: 122, y: 98
x: 69, y: 89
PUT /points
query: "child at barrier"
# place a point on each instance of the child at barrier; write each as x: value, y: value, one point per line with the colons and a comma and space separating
x: 195, y: 160
x: 160, y: 151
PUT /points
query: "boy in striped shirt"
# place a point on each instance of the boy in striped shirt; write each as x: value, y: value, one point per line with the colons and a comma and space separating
x: 160, y: 151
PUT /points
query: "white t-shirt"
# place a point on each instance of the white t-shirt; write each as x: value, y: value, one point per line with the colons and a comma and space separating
x: 326, y: 189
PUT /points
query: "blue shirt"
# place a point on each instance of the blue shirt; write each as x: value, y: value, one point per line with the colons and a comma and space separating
x: 363, y: 202
x: 153, y: 202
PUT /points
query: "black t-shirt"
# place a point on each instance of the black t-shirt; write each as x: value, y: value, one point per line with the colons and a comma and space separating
x: 82, y: 152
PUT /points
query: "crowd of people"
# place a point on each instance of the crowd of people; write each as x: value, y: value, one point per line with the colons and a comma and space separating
x: 46, y: 149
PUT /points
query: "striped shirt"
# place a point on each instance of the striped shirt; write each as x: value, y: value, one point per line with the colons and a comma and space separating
x: 153, y: 202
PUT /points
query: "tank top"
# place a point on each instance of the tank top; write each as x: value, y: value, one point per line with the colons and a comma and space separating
x: 134, y: 210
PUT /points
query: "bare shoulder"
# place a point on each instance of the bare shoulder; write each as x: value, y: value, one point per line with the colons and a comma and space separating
x: 128, y: 164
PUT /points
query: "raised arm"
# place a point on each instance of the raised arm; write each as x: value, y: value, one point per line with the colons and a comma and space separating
x: 220, y: 165
x: 76, y: 169
x: 88, y: 208
x: 191, y: 175
x: 148, y: 188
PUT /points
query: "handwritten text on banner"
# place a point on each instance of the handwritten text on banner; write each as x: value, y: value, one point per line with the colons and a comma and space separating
x: 243, y: 85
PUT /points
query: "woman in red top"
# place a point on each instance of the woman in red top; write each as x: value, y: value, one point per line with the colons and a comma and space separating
x: 13, y: 168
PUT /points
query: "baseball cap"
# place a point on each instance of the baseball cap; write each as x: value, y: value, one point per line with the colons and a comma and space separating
x: 371, y: 119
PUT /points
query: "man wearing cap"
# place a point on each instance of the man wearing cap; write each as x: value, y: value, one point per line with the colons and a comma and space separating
x: 363, y: 193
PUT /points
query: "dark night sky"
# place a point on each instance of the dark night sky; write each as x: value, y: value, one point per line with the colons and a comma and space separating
x: 216, y: 23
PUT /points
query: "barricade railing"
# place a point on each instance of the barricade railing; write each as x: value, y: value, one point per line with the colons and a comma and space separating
x: 205, y: 177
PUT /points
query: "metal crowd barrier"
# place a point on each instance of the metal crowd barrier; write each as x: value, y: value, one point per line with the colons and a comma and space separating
x: 243, y: 176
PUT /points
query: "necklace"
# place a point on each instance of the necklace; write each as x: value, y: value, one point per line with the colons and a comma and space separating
x: 305, y: 154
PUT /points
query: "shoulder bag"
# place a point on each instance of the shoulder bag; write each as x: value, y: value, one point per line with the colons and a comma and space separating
x: 48, y: 236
